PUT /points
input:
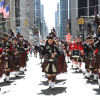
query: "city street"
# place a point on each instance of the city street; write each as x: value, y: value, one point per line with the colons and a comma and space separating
x: 33, y: 85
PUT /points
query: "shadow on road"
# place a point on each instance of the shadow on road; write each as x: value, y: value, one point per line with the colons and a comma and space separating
x: 58, y: 90
x: 5, y: 84
x: 15, y: 78
x: 77, y: 72
x: 46, y: 83
x: 97, y: 90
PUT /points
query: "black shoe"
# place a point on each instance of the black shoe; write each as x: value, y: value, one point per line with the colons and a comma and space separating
x: 17, y: 76
x: 71, y: 66
x: 68, y: 62
x: 49, y: 87
x: 25, y: 70
x: 53, y: 89
x: 88, y: 78
x: 7, y: 81
x: 83, y: 73
x: 4, y: 80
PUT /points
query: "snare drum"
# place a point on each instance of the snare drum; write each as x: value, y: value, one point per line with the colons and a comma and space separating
x: 76, y: 53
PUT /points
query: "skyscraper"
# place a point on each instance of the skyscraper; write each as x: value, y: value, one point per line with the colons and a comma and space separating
x: 63, y: 17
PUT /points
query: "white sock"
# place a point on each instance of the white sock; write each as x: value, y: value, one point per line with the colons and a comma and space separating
x: 7, y: 78
x: 50, y: 83
x: 53, y: 85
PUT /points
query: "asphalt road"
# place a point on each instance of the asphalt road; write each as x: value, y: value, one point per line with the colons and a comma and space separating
x: 33, y: 85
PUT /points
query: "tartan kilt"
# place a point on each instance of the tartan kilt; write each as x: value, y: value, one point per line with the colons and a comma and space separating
x: 45, y: 63
x: 87, y: 62
x: 97, y: 59
x: 11, y: 64
x: 94, y: 62
x: 1, y: 70
x: 23, y: 59
x: 83, y: 57
x: 62, y: 63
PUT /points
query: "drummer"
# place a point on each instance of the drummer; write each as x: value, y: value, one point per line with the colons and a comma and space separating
x: 79, y: 49
x: 71, y: 48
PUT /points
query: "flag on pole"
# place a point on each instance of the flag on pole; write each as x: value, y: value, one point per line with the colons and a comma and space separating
x: 68, y: 37
x: 1, y: 6
x: 6, y: 12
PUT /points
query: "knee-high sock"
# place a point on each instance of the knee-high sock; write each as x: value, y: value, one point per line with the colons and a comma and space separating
x: 49, y: 78
x: 7, y: 73
x: 80, y: 64
x: 72, y: 62
x: 53, y: 78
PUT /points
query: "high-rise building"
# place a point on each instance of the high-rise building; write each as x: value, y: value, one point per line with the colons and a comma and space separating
x: 63, y: 17
x: 56, y: 22
x: 38, y: 14
x: 81, y: 8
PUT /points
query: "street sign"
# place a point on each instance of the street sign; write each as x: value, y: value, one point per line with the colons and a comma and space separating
x: 82, y: 20
x: 79, y: 21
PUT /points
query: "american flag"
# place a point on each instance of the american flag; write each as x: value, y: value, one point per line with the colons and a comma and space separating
x: 68, y: 37
x: 1, y: 6
x: 6, y: 12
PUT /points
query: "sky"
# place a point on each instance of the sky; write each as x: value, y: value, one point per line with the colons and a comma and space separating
x: 50, y: 6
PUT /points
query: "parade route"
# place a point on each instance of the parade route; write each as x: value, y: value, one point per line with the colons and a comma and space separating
x: 33, y: 85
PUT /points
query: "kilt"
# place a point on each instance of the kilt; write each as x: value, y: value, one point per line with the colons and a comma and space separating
x: 97, y: 59
x: 87, y: 62
x: 23, y: 59
x: 78, y: 59
x: 94, y: 62
x: 62, y: 63
x: 2, y: 66
x: 11, y: 64
x: 84, y: 58
x: 45, y: 63
x: 1, y: 70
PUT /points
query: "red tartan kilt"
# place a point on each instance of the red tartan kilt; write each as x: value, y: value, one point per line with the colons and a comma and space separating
x: 62, y: 63
x: 93, y: 63
x: 12, y: 65
x: 45, y: 63
x: 84, y: 58
x: 23, y: 59
x: 87, y: 62
x: 67, y: 53
x: 97, y: 59
x: 1, y: 70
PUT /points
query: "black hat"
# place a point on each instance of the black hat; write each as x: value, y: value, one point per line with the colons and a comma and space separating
x: 49, y: 37
x: 21, y: 35
x: 5, y: 35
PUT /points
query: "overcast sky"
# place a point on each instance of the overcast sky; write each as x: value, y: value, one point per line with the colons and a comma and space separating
x: 50, y: 6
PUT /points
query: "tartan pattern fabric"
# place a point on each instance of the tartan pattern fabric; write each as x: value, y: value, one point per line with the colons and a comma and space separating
x: 98, y: 59
x: 87, y: 62
x: 94, y: 63
x: 11, y: 64
x: 45, y: 63
x: 83, y: 57
x: 2, y: 66
x: 23, y: 59
x: 62, y: 63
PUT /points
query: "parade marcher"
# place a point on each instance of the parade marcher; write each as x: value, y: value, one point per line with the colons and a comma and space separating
x: 51, y: 64
x: 85, y: 55
x: 71, y: 48
x: 36, y: 50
